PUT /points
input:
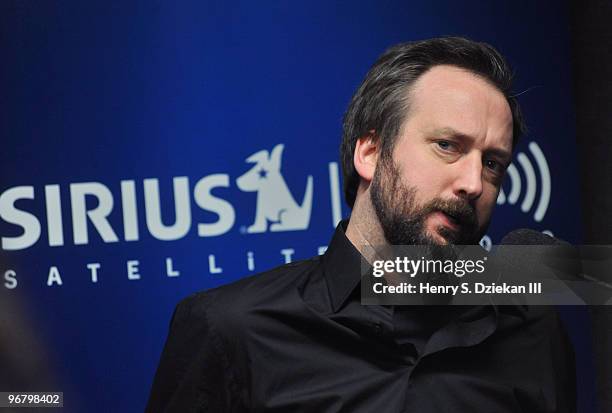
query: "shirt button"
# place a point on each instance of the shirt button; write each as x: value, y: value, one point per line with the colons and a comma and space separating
x: 378, y: 329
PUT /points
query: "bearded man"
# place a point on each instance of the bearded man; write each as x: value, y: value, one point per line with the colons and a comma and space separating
x: 427, y: 139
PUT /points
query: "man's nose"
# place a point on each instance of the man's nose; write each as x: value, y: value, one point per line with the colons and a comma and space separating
x: 468, y: 182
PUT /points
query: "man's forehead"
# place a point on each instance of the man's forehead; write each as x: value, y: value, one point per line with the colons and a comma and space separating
x: 449, y: 76
x: 450, y: 100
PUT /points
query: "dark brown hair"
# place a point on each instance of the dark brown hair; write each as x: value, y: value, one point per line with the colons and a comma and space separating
x: 381, y: 102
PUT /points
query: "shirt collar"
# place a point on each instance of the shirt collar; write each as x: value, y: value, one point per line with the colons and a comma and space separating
x: 341, y: 266
x: 342, y: 269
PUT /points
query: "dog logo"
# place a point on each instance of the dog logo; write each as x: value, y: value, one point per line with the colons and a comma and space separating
x: 275, y: 204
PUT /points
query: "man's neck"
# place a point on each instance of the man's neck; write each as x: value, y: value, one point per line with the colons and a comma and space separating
x: 366, y: 234
x: 364, y: 230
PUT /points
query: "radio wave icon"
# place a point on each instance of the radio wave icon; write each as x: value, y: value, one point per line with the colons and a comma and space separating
x: 530, y: 183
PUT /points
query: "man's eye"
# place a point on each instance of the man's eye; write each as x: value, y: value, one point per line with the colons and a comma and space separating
x: 445, y: 145
x: 494, y: 166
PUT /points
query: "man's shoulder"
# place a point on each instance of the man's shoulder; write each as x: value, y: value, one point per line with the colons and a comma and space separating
x: 207, y: 351
x: 538, y: 326
x: 237, y: 299
x: 539, y: 318
x: 544, y: 318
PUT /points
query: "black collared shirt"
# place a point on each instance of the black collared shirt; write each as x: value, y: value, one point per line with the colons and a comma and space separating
x: 297, y: 339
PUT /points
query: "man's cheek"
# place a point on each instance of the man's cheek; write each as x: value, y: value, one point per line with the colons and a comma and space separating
x: 484, y: 220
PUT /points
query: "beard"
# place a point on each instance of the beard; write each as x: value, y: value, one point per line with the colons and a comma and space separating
x: 403, y: 224
x: 403, y: 220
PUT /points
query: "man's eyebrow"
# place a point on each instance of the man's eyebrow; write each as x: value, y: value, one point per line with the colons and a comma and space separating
x: 502, y: 154
x: 450, y: 132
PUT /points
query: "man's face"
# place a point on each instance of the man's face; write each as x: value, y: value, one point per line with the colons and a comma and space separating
x: 442, y: 179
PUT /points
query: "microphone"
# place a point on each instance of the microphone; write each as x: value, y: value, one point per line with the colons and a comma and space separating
x: 526, y: 236
x: 554, y: 253
x: 534, y: 250
x: 563, y: 258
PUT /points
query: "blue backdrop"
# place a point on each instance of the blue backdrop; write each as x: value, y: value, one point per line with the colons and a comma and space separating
x: 126, y: 124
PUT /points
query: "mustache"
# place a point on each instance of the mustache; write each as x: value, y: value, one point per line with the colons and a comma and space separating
x: 459, y: 210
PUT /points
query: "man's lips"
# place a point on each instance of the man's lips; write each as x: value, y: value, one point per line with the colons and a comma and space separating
x: 446, y: 220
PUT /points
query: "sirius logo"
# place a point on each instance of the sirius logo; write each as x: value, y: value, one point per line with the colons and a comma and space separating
x: 531, y: 185
x: 90, y: 205
x: 275, y: 203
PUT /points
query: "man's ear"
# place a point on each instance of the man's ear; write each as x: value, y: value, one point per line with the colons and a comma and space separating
x: 365, y: 157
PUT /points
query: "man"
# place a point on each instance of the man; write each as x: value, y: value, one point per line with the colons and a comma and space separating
x: 427, y: 138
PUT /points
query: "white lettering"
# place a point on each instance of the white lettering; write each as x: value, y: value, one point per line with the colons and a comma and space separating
x: 389, y: 266
x: 212, y: 266
x: 250, y: 261
x: 377, y: 268
x: 287, y: 253
x: 130, y: 215
x: 132, y: 270
x: 170, y: 271
x: 416, y: 265
x: 55, y: 229
x: 182, y: 209
x: 10, y: 279
x: 54, y: 277
x: 97, y: 216
x: 94, y: 267
x: 205, y: 200
x: 12, y: 215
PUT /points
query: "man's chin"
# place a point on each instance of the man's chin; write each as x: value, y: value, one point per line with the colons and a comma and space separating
x: 445, y: 236
x: 433, y: 237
